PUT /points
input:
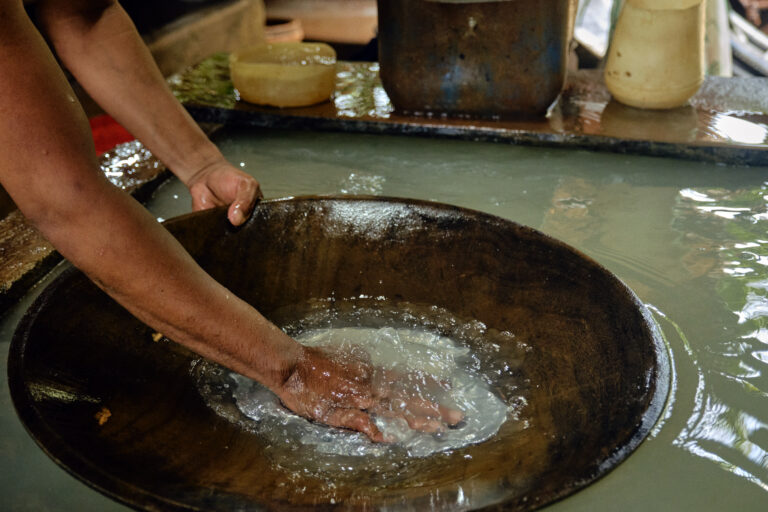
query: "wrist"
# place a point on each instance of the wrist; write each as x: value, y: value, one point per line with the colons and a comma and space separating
x: 197, y: 163
x: 290, y: 367
x: 283, y: 355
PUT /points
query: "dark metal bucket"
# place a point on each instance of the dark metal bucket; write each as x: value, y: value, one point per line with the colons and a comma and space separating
x: 486, y: 58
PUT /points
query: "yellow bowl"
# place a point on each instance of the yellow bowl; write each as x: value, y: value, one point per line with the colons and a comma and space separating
x: 284, y: 74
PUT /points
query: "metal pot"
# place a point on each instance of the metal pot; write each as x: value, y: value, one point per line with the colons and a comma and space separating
x: 486, y: 58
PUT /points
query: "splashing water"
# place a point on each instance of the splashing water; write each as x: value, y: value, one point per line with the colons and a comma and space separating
x: 421, y: 354
x: 438, y: 358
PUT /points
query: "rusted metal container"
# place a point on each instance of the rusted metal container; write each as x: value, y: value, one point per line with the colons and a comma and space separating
x: 486, y: 58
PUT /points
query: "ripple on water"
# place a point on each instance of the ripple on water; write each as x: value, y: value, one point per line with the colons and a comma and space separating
x: 729, y: 423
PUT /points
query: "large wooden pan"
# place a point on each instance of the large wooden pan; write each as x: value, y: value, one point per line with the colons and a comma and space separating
x: 593, y: 380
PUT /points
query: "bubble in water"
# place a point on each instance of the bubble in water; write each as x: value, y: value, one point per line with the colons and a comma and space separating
x: 426, y: 345
x: 429, y: 356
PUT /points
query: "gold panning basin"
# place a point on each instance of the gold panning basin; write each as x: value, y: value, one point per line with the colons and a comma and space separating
x: 593, y: 380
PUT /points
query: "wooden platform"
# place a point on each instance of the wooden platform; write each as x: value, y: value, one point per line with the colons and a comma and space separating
x: 726, y: 122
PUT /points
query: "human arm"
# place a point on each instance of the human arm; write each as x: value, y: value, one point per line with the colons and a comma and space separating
x: 49, y: 167
x: 98, y: 43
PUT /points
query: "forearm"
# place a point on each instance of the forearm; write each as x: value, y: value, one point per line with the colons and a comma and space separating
x: 98, y: 43
x: 49, y: 167
x: 129, y: 255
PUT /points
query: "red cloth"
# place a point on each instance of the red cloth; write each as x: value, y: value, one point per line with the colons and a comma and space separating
x: 107, y: 133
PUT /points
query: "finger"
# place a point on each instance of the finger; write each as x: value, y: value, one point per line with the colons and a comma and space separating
x: 417, y: 407
x: 421, y: 407
x: 354, y: 419
x: 405, y: 403
x: 246, y: 194
x: 424, y: 424
x: 420, y: 423
x: 451, y: 416
x: 202, y: 198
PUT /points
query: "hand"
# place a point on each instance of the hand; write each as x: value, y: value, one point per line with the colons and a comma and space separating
x: 221, y: 184
x: 342, y: 389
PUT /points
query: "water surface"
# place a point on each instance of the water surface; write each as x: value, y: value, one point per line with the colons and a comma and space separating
x: 690, y: 239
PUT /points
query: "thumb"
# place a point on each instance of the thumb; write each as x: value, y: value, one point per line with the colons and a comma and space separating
x: 247, y: 193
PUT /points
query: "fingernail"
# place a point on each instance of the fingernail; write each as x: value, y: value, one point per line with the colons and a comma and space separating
x: 236, y: 217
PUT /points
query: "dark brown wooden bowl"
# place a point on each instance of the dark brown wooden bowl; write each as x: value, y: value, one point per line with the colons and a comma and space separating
x: 594, y: 379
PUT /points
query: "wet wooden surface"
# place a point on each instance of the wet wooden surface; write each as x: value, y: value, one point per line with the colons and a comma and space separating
x: 124, y: 412
x: 726, y: 122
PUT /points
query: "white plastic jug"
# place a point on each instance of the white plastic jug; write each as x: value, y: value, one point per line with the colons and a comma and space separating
x: 656, y: 58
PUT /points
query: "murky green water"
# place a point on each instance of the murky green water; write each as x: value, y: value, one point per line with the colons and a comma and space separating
x: 691, y: 239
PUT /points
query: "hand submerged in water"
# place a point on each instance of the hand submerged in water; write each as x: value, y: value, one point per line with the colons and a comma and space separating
x: 343, y: 389
x: 221, y: 184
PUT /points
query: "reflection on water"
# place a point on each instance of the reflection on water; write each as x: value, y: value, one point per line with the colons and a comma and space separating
x: 684, y: 124
x: 690, y: 239
x: 359, y: 92
x: 738, y: 130
x: 362, y: 184
x: 728, y: 424
x: 717, y: 252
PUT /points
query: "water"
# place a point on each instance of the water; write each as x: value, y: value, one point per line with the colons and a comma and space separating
x: 691, y: 239
x: 411, y: 361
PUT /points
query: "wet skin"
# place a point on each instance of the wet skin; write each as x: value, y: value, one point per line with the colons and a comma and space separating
x: 343, y: 389
x: 50, y: 169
